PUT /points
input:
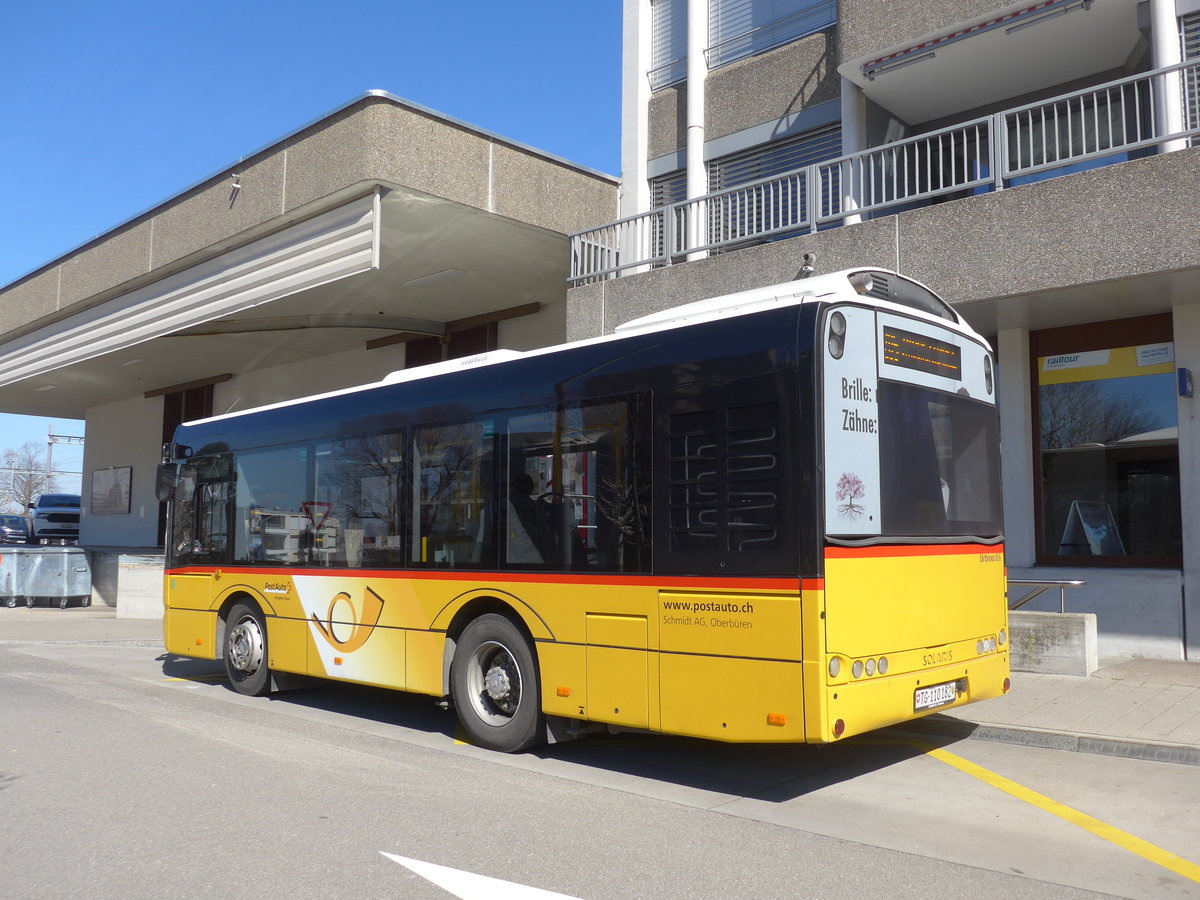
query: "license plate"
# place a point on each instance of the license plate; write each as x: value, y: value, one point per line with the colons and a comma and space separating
x: 935, y: 695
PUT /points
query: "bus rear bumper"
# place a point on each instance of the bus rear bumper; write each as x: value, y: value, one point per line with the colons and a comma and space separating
x: 880, y: 701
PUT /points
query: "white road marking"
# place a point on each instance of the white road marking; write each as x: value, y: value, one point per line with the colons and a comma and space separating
x: 469, y: 886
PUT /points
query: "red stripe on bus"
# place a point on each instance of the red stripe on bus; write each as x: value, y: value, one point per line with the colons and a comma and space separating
x: 911, y: 550
x: 769, y: 584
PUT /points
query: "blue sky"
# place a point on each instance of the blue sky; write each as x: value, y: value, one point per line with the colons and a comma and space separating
x: 107, y: 109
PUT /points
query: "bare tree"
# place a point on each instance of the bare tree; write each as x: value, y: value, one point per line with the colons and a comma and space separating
x: 1081, y: 413
x: 23, y: 477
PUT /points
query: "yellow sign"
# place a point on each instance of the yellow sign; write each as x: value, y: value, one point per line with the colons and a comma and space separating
x: 1096, y: 365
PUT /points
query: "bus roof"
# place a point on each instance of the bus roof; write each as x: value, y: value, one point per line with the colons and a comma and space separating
x: 882, y: 286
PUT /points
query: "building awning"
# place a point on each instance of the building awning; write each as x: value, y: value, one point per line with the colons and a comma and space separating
x: 999, y: 57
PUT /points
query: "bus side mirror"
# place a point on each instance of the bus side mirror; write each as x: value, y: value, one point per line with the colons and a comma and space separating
x: 164, y: 482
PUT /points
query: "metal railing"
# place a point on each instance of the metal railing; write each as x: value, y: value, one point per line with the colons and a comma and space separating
x: 1093, y: 127
x: 1040, y: 587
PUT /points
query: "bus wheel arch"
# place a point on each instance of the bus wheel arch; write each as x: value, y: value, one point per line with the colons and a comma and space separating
x: 495, y: 678
x: 242, y: 637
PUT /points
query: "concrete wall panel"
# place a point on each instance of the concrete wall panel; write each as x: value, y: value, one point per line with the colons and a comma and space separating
x: 126, y: 433
x: 125, y: 255
x: 29, y: 301
x: 768, y: 87
x: 1104, y: 224
x: 546, y: 194
x: 380, y: 140
x: 214, y: 212
x: 668, y: 121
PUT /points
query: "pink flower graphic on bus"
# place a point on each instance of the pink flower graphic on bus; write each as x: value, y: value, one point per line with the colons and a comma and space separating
x: 849, y: 489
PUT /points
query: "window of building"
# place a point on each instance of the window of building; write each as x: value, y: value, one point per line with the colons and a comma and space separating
x: 668, y: 42
x: 456, y: 345
x: 1107, y: 444
x: 750, y: 214
x: 1189, y: 32
x: 741, y: 28
x: 736, y: 29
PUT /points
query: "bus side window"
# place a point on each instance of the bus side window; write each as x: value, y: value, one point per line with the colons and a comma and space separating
x: 576, y: 495
x: 272, y: 523
x: 453, y: 487
x: 200, y: 530
x: 356, y: 515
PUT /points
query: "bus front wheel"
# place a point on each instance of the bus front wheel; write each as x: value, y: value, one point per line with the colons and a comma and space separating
x: 495, y: 684
x: 246, y: 651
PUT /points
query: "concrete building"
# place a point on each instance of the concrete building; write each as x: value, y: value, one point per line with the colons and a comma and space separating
x: 381, y: 236
x: 1030, y: 161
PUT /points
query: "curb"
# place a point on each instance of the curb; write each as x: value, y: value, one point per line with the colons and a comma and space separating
x: 1049, y: 739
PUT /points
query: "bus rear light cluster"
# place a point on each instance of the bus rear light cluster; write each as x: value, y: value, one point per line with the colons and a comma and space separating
x: 1003, y: 637
x: 985, y: 645
x: 988, y: 381
x: 837, y: 335
x: 869, y: 667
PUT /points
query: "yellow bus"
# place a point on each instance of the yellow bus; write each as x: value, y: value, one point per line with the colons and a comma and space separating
x: 772, y: 516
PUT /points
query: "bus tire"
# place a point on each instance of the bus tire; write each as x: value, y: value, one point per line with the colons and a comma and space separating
x: 245, y: 651
x: 495, y: 684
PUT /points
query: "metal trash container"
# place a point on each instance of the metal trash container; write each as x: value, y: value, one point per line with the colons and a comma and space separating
x: 54, y: 574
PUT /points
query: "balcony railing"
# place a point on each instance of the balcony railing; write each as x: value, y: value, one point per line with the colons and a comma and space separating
x: 1159, y: 110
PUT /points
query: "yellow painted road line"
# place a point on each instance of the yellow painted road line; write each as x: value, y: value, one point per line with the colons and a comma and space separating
x: 214, y: 677
x: 1110, y: 833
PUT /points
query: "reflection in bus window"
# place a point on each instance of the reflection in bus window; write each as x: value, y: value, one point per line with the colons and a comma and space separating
x: 272, y: 524
x: 453, y: 479
x: 576, y: 497
x: 356, y: 515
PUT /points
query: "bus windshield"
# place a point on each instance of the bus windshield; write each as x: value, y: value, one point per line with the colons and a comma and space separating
x: 939, y: 463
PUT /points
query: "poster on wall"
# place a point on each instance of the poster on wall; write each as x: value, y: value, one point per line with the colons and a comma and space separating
x: 110, y: 491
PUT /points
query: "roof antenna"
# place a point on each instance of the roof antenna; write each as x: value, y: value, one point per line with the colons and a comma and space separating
x: 809, y: 266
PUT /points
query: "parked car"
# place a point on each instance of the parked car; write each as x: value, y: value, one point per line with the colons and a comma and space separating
x: 55, y: 519
x: 13, y: 530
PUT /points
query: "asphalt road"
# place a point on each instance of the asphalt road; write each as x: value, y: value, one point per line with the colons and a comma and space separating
x: 125, y: 773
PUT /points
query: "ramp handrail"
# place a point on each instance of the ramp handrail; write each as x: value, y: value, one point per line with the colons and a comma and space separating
x: 1040, y: 587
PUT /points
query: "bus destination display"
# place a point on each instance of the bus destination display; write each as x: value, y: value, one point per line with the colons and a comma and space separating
x: 924, y: 354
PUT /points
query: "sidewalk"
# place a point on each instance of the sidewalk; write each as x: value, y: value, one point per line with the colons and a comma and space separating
x: 1139, y: 708
x: 76, y: 624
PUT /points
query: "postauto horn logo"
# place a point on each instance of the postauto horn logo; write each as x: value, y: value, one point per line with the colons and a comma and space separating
x: 345, y: 627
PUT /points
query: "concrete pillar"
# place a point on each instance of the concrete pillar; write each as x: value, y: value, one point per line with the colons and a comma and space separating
x: 697, y: 74
x: 1186, y: 324
x: 635, y: 108
x: 1166, y: 51
x: 854, y: 139
x: 1016, y: 442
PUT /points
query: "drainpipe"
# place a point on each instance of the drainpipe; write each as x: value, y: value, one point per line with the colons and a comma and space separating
x: 854, y: 139
x: 697, y: 173
x: 1166, y: 51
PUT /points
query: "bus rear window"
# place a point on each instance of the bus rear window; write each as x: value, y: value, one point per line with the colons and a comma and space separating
x: 940, y: 471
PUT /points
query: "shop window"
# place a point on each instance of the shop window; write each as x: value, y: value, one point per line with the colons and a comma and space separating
x: 1107, y: 442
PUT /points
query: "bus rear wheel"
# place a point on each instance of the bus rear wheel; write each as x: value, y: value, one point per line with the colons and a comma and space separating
x: 495, y: 684
x: 245, y: 651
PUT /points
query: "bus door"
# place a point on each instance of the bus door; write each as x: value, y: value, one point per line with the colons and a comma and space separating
x: 199, y: 541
